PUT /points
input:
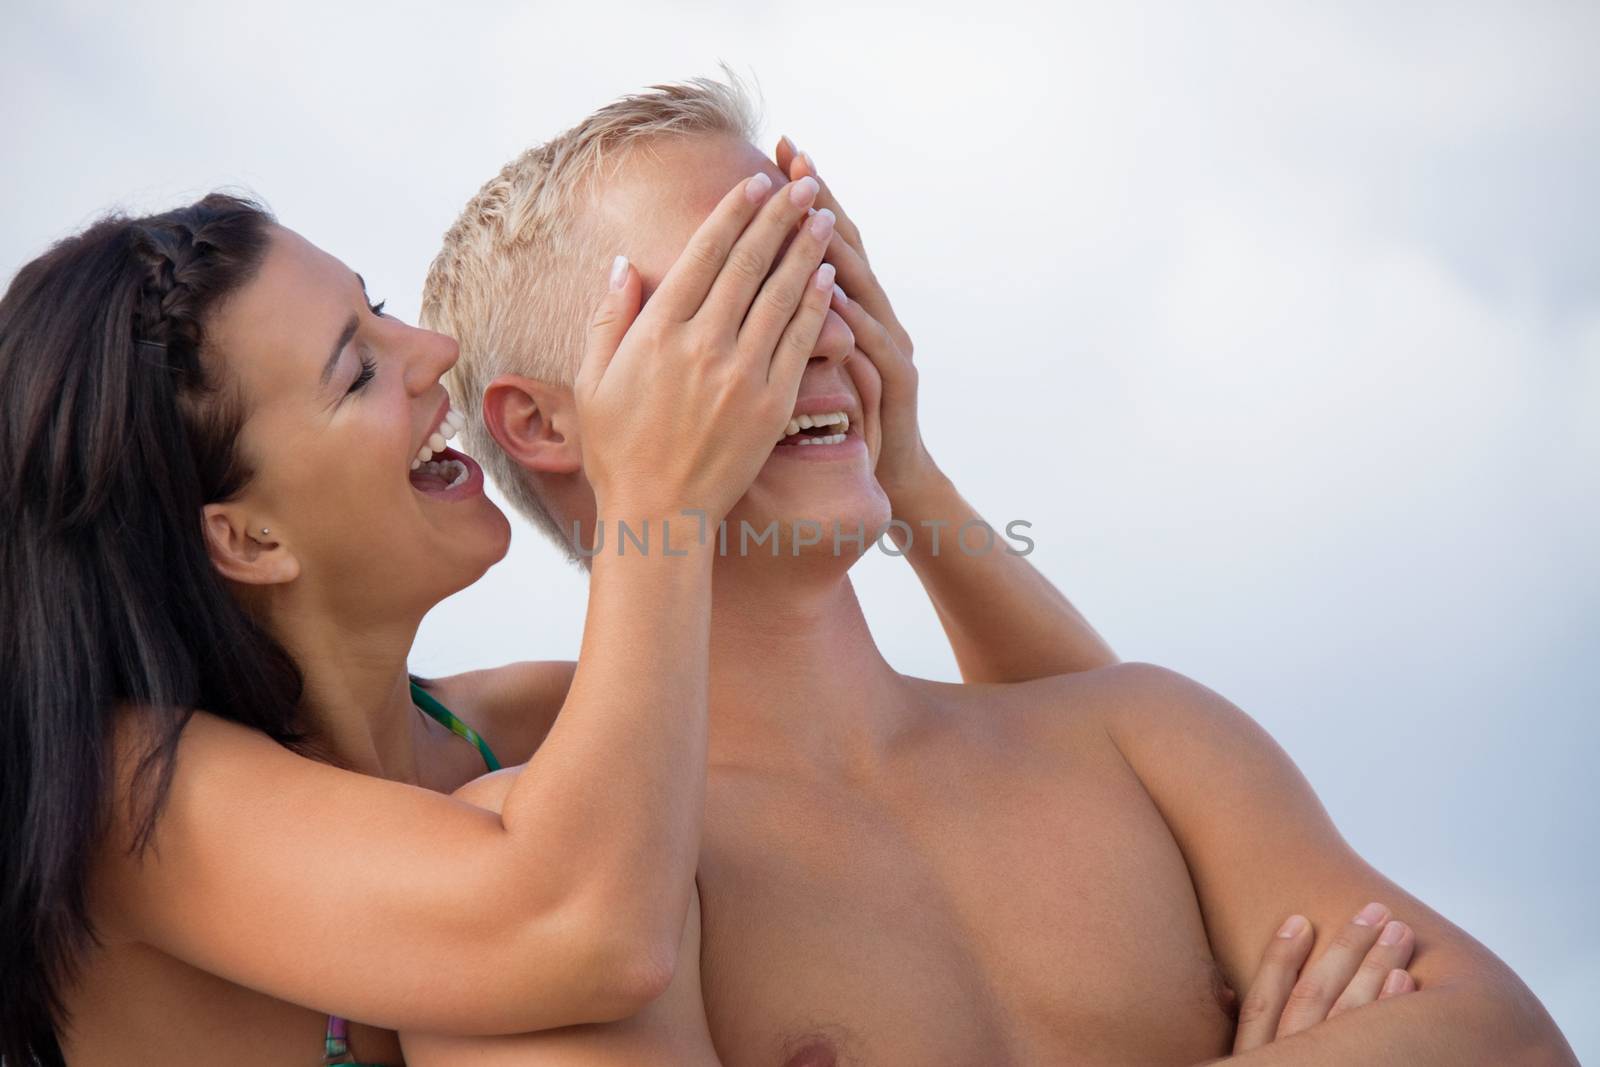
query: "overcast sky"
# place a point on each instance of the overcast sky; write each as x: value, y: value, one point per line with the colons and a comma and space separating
x: 1281, y: 324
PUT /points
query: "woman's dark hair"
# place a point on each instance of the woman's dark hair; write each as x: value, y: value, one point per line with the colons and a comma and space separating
x: 116, y: 427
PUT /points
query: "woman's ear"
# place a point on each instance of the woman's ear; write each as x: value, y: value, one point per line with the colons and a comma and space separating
x: 533, y: 422
x: 246, y: 550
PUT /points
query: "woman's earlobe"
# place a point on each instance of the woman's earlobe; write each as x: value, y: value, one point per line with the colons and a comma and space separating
x: 245, y: 552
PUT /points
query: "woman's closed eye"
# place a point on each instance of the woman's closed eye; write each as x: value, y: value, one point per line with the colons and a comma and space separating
x: 369, y: 367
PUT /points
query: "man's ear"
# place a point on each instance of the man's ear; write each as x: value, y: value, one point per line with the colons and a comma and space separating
x: 244, y: 549
x: 534, y: 422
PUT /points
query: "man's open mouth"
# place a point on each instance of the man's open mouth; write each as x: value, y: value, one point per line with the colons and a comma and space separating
x: 827, y: 428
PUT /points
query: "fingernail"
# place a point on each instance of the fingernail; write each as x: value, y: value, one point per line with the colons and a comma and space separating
x: 757, y: 187
x: 811, y: 164
x: 1395, y: 982
x: 839, y: 299
x: 822, y: 225
x: 1292, y: 926
x: 1392, y: 933
x: 803, y: 191
x: 823, y: 279
x: 1371, y: 915
x: 789, y: 144
x: 619, y: 272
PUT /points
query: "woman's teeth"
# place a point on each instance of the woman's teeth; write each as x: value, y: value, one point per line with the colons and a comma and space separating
x: 452, y: 424
x: 450, y: 471
x: 808, y: 422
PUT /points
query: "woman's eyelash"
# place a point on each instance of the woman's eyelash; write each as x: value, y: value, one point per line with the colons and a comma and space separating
x: 368, y: 369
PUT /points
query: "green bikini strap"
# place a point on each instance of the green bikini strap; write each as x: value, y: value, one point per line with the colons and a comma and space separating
x: 424, y: 700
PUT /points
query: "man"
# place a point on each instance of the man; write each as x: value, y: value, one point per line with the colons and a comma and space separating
x: 1048, y: 866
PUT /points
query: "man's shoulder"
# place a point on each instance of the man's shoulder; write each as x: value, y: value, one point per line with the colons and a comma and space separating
x: 512, y: 706
x: 1114, y: 700
x: 1115, y: 687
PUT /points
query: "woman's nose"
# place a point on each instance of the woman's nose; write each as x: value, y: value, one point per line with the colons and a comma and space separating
x: 433, y: 354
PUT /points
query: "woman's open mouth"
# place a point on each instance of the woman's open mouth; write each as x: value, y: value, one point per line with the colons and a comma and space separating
x: 440, y: 471
x: 446, y: 471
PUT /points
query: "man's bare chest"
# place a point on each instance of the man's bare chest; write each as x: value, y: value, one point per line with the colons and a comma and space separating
x: 956, y: 914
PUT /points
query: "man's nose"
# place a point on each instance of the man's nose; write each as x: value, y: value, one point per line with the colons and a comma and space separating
x: 836, y: 341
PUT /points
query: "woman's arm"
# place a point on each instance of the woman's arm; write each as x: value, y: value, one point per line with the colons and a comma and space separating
x: 671, y: 1029
x: 385, y: 902
x: 1005, y: 621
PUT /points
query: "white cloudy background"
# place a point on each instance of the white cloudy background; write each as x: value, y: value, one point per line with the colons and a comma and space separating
x: 1280, y: 322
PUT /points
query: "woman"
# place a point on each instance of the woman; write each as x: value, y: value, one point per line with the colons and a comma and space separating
x: 217, y: 551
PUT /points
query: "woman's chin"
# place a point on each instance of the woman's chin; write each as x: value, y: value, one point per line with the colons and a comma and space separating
x: 463, y: 552
x: 487, y: 543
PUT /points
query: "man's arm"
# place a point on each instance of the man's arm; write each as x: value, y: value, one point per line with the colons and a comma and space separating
x: 1005, y: 621
x: 1259, y: 845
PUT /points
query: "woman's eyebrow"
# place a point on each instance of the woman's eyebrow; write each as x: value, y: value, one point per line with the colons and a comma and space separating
x: 345, y: 334
x: 348, y: 332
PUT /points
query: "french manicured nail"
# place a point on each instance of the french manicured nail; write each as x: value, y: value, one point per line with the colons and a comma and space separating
x: 840, y: 301
x: 619, y: 272
x: 1395, y: 982
x: 823, y: 279
x: 1392, y: 933
x: 1371, y: 915
x: 822, y: 224
x: 757, y: 187
x: 803, y: 191
x: 789, y: 144
x: 811, y: 164
x: 1292, y: 926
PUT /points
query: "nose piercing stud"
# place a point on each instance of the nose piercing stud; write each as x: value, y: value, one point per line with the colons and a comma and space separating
x: 265, y: 531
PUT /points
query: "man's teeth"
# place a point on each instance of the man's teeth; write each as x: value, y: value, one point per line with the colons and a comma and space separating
x: 808, y: 422
x: 452, y: 424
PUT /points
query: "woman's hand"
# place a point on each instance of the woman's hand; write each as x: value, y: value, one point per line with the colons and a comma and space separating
x: 1005, y: 621
x: 1364, y: 963
x: 905, y: 469
x: 683, y: 402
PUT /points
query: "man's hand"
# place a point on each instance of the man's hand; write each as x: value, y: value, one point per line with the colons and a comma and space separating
x: 905, y: 470
x: 1364, y: 963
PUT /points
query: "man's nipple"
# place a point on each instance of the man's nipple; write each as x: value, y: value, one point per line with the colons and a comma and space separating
x: 813, y: 1054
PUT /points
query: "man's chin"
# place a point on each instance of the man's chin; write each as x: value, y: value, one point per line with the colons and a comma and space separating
x: 844, y: 529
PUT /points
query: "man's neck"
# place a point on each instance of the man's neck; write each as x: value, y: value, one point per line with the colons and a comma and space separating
x: 796, y: 677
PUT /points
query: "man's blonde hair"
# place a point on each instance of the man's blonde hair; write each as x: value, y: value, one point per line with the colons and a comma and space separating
x: 520, y: 267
